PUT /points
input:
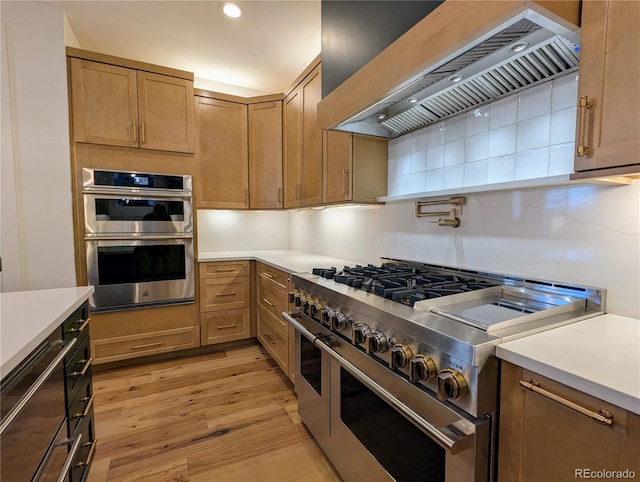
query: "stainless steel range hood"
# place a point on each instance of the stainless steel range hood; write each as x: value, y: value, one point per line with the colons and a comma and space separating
x: 498, y: 58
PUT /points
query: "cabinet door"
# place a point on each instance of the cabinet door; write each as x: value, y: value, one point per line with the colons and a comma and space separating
x: 165, y: 112
x: 222, y: 154
x: 104, y: 103
x: 265, y: 155
x: 292, y: 147
x: 609, y: 76
x: 541, y: 439
x: 311, y: 140
x: 337, y: 155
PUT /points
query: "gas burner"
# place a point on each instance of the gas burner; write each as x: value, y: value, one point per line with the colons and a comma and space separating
x: 403, y: 284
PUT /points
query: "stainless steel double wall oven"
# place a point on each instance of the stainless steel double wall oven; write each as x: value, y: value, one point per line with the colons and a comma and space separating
x: 139, y: 238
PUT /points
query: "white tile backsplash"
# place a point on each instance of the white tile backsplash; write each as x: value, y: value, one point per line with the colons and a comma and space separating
x: 533, y: 133
x: 512, y: 134
x: 537, y: 125
x: 534, y: 102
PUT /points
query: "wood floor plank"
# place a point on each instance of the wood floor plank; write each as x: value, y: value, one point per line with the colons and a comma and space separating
x: 219, y: 417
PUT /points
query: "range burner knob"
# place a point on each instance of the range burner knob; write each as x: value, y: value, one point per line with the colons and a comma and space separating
x: 315, y: 308
x: 297, y: 298
x: 377, y: 342
x: 326, y: 315
x: 400, y: 356
x: 306, y: 304
x: 422, y: 368
x: 451, y: 385
x: 339, y: 321
x: 360, y: 333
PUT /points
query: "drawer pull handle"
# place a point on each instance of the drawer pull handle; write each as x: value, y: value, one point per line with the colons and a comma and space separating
x: 603, y: 416
x: 268, y: 275
x: 87, y: 365
x: 89, y: 455
x: 82, y: 326
x: 226, y: 293
x: 268, y: 337
x: 225, y: 270
x: 87, y: 408
x: 147, y: 345
x: 224, y: 327
x: 268, y: 302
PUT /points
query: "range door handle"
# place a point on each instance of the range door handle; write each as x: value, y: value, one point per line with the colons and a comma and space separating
x: 447, y: 439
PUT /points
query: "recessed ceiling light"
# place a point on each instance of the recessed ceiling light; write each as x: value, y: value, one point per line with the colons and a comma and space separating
x: 230, y: 10
x: 381, y: 116
x: 412, y: 100
x: 519, y: 46
x: 456, y: 78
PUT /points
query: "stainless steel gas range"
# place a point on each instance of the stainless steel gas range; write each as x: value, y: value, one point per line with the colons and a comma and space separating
x: 395, y: 366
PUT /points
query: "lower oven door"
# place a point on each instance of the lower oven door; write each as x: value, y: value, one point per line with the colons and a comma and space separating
x: 136, y: 272
x: 312, y: 388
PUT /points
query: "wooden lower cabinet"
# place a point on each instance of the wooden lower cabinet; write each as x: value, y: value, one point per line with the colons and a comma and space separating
x: 225, y: 301
x: 225, y: 325
x: 273, y: 286
x: 541, y: 439
x: 123, y: 335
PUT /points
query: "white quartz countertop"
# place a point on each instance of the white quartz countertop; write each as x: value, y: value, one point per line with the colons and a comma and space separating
x: 290, y: 261
x: 599, y: 356
x: 27, y: 318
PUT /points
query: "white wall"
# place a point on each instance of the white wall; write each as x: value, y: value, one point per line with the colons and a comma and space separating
x: 224, y: 230
x: 37, y: 230
x: 582, y: 234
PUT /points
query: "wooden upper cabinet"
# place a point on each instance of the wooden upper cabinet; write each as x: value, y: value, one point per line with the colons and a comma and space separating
x: 222, y: 154
x: 165, y: 107
x: 303, y: 143
x: 121, y: 106
x: 609, y: 77
x: 355, y: 167
x: 311, y: 192
x: 292, y: 148
x: 104, y: 103
x: 265, y: 155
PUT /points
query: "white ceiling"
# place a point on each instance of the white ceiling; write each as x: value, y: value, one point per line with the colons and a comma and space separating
x: 261, y: 52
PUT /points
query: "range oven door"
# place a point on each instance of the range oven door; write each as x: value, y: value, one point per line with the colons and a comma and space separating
x: 312, y: 388
x: 136, y: 272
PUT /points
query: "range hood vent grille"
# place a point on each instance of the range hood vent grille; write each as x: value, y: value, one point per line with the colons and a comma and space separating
x: 490, y: 70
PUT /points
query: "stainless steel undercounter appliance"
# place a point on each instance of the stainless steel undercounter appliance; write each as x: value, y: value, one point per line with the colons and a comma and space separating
x: 139, y: 238
x: 395, y: 365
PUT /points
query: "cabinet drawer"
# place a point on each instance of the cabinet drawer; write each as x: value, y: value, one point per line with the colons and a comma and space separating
x: 273, y: 338
x: 272, y: 299
x: 225, y: 293
x: 84, y: 456
x: 225, y: 325
x: 131, y: 346
x: 77, y: 324
x: 273, y: 275
x: 81, y: 407
x: 78, y: 368
x: 224, y: 268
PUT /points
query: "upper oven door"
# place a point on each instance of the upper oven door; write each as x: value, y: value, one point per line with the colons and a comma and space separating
x: 118, y: 214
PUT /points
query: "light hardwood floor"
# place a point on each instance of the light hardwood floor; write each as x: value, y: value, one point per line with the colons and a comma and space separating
x: 218, y: 417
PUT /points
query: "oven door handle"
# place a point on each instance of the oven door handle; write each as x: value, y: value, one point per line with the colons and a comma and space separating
x: 452, y: 440
x: 138, y: 237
